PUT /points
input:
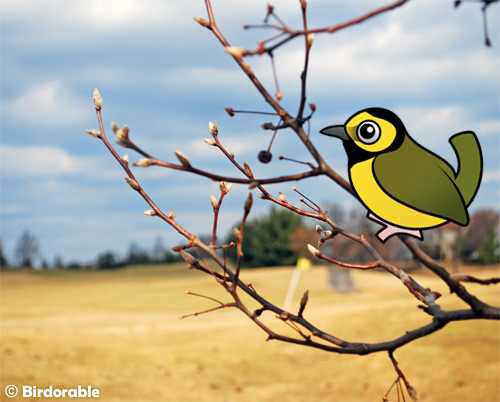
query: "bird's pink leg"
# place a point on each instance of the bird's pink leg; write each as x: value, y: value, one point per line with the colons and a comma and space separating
x: 390, y: 230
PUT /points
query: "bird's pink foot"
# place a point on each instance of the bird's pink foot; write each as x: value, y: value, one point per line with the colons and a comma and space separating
x: 390, y: 230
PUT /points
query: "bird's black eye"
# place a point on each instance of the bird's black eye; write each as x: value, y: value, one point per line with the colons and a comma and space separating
x: 368, y: 132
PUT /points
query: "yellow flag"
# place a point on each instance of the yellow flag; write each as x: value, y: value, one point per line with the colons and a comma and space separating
x: 304, y: 264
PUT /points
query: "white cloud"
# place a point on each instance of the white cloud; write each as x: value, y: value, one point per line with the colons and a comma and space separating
x: 47, y: 103
x: 395, y: 56
x: 205, y: 78
x: 488, y: 127
x: 11, y: 209
x: 85, y: 21
x: 239, y: 146
x: 353, y: 69
x: 434, y: 124
x: 434, y: 121
x: 491, y: 175
x: 33, y: 161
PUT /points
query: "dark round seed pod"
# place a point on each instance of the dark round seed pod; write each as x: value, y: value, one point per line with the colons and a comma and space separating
x: 265, y: 156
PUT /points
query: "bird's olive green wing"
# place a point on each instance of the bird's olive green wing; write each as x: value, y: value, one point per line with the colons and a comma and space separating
x: 420, y: 179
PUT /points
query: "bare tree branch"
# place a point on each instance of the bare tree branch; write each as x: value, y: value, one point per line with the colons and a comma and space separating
x: 306, y: 333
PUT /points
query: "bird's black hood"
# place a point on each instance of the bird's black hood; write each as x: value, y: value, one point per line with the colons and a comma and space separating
x: 354, y: 153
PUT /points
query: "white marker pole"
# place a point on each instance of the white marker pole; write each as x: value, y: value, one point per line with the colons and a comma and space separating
x: 292, y: 288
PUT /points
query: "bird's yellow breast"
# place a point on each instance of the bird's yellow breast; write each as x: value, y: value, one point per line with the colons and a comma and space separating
x: 382, y: 204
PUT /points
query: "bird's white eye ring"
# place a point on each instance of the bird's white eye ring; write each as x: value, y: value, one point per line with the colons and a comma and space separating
x: 368, y: 132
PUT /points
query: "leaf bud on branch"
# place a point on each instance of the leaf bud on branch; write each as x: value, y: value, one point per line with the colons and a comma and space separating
x: 121, y: 135
x: 96, y: 96
x: 94, y: 133
x: 144, y: 162
x: 203, y: 22
x: 125, y: 131
x: 246, y: 67
x: 259, y: 311
x: 284, y: 316
x: 248, y: 204
x: 236, y: 51
x: 192, y: 262
x: 248, y: 171
x: 229, y: 111
x: 412, y: 392
x: 177, y: 249
x: 182, y: 159
x: 214, y: 202
x: 150, y: 212
x: 313, y: 250
x: 303, y: 302
x: 224, y: 187
x: 212, y: 127
x: 310, y: 39
x: 237, y: 233
x: 268, y: 126
x: 324, y: 235
x: 132, y: 183
x: 115, y: 127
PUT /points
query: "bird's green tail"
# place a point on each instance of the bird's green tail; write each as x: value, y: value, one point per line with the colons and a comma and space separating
x: 470, y: 164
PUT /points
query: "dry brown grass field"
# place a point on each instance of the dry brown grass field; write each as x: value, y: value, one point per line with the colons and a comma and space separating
x: 119, y: 331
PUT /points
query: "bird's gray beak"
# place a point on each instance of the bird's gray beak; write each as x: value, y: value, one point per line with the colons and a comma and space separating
x: 335, y: 131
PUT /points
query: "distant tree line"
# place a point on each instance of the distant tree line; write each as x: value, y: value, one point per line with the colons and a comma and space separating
x: 267, y: 239
x: 137, y: 256
x: 479, y: 242
x: 27, y: 254
x: 279, y: 238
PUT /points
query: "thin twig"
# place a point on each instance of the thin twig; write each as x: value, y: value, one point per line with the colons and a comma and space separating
x: 210, y: 310
x: 238, y: 180
x: 303, y: 76
x: 469, y: 278
x: 412, y: 392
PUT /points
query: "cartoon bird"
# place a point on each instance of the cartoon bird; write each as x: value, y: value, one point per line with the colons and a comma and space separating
x: 404, y: 186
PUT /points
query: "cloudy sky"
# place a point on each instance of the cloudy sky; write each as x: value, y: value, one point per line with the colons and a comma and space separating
x: 166, y: 77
